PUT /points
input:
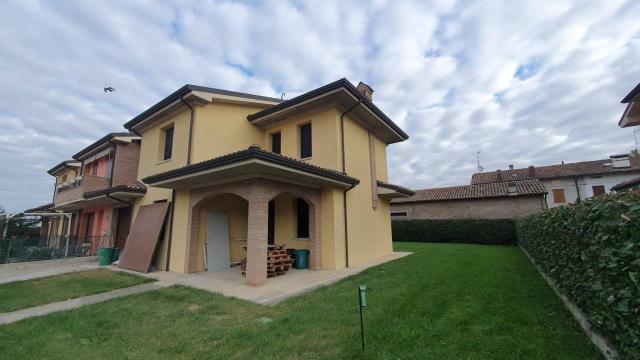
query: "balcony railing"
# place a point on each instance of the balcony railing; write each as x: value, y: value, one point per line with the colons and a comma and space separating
x: 73, y: 190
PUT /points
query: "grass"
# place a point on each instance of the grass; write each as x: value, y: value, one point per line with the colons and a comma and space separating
x: 29, y: 293
x: 446, y: 301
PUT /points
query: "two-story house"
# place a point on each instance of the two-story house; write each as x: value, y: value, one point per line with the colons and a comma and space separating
x: 93, y: 195
x: 570, y: 182
x: 245, y: 172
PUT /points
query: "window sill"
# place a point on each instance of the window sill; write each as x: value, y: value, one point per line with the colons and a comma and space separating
x: 163, y: 161
x: 307, y: 158
x: 300, y: 239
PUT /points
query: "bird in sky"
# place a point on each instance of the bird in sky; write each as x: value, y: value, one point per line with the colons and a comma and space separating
x: 109, y: 89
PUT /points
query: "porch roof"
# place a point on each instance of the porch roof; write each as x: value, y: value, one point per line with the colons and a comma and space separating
x: 116, y: 196
x: 250, y: 163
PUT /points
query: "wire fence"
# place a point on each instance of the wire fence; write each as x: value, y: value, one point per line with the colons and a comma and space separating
x: 55, y: 247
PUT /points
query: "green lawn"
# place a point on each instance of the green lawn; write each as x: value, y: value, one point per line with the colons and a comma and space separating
x: 24, y: 294
x: 443, y: 302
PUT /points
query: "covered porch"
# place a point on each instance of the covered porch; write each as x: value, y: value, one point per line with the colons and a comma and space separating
x: 241, y: 204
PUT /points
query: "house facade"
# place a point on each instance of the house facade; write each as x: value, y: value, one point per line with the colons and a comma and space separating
x: 93, y: 196
x: 244, y: 172
x: 571, y: 182
x: 505, y: 200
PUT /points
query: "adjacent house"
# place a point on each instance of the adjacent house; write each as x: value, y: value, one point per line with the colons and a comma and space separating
x: 500, y: 200
x: 245, y: 172
x: 93, y: 195
x: 571, y: 182
x: 631, y: 114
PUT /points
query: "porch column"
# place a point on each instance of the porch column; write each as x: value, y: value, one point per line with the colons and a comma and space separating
x: 257, y: 241
x: 315, y: 249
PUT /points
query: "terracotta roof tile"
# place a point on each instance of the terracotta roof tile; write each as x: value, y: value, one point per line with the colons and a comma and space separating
x: 555, y: 171
x: 480, y: 191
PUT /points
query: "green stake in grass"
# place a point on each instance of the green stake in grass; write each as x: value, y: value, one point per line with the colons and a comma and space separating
x: 362, y: 289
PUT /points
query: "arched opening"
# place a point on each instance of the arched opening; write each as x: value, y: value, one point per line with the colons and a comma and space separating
x: 289, y: 221
x: 222, y: 232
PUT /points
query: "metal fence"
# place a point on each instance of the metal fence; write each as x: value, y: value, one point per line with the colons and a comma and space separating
x: 54, y: 247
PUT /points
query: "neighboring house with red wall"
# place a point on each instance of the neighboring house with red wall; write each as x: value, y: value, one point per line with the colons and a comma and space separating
x: 503, y: 200
x: 93, y: 194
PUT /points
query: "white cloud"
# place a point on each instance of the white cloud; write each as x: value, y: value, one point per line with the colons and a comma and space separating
x: 531, y: 82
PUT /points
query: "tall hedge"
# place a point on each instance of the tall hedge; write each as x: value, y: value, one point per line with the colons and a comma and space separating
x: 496, y: 232
x: 592, y: 252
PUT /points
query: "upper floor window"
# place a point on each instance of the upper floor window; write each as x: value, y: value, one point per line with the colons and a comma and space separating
x: 598, y: 190
x: 168, y: 143
x: 305, y: 141
x: 276, y: 143
x: 64, y: 178
x: 558, y: 196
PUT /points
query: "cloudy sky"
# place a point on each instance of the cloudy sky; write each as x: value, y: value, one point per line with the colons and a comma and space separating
x: 525, y: 83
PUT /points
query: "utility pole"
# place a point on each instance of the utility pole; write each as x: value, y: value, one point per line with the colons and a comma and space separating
x: 636, y: 134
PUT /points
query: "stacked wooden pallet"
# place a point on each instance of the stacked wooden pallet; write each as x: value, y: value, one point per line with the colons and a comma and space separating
x: 278, y: 262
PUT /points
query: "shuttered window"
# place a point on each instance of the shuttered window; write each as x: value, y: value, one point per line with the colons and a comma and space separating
x: 276, y: 143
x: 168, y: 143
x: 558, y: 196
x: 598, y: 190
x: 305, y: 141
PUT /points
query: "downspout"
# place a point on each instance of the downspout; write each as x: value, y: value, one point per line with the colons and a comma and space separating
x: 190, y: 129
x: 112, y: 155
x: 575, y: 179
x: 173, y: 202
x: 344, y: 198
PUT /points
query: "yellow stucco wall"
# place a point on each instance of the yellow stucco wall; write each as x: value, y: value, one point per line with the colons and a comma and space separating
x: 222, y: 128
x: 369, y: 228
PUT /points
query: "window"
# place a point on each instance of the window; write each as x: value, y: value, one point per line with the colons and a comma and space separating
x: 598, y: 190
x: 305, y: 141
x: 94, y: 169
x: 558, y: 196
x: 302, y: 210
x: 399, y: 213
x: 168, y: 143
x: 64, y: 178
x: 275, y: 143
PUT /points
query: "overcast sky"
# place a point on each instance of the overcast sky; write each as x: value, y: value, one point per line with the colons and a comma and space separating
x: 524, y: 82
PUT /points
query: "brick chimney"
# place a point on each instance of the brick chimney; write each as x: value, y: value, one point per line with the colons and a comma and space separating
x: 532, y: 171
x: 499, y: 175
x: 366, y: 90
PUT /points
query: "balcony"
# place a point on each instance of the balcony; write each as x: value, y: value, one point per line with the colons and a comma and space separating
x: 73, y: 190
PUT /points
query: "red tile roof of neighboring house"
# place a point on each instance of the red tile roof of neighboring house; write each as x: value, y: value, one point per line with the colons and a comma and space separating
x: 555, y: 171
x: 626, y: 184
x: 480, y: 191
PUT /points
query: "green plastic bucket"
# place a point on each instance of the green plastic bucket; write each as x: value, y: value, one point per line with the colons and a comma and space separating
x: 104, y: 256
x: 302, y: 258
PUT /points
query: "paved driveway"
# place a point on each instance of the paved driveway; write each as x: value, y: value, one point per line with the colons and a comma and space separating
x: 36, y: 269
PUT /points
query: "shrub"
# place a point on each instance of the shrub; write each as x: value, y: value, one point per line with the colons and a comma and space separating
x: 592, y: 253
x: 469, y: 231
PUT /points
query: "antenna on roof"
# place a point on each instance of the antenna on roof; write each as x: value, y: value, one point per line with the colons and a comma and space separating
x: 479, y: 168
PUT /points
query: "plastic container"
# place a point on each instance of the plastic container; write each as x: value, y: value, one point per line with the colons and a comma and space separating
x: 302, y: 259
x: 104, y: 256
x: 115, y: 255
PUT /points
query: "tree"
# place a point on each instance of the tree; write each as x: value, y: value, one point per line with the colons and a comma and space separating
x: 19, y: 225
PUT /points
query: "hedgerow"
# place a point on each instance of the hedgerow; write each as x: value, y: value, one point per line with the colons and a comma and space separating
x: 592, y: 253
x: 468, y: 231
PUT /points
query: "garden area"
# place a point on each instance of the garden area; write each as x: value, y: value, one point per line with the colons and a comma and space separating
x: 445, y: 301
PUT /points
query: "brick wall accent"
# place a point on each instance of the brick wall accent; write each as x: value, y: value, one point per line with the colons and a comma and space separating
x: 125, y: 168
x: 257, y: 193
x: 498, y: 208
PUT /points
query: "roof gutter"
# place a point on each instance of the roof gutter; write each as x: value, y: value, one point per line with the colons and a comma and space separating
x: 120, y: 200
x: 344, y: 197
x: 190, y: 128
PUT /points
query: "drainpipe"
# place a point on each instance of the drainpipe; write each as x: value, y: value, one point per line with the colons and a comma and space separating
x: 575, y: 180
x: 190, y: 129
x: 344, y: 198
x: 173, y: 203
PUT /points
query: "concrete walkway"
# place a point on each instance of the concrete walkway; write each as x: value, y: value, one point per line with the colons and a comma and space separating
x: 37, y: 269
x: 230, y: 282
x: 8, y: 318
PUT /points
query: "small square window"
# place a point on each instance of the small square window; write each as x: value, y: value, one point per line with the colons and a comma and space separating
x: 558, y: 196
x: 598, y: 190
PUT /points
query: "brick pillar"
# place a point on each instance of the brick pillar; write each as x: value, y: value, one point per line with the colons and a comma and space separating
x: 257, y: 242
x: 315, y: 249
